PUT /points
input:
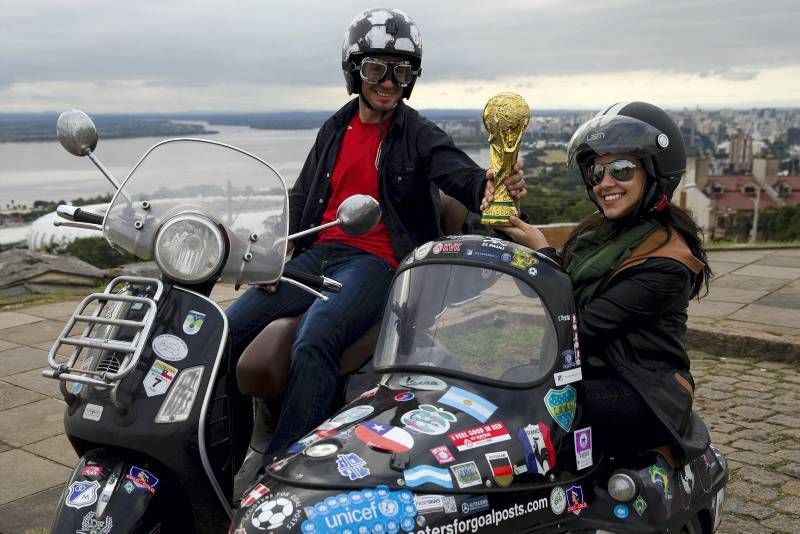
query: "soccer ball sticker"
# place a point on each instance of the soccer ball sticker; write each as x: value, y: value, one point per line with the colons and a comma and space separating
x: 282, y: 510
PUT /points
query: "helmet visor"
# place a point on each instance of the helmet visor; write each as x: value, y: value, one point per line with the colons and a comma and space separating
x: 615, y: 134
x: 375, y: 70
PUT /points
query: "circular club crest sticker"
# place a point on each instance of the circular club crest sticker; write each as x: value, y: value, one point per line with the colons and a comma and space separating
x: 169, y: 347
x: 558, y: 500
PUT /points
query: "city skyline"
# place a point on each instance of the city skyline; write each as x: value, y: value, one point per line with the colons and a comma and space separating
x: 251, y: 55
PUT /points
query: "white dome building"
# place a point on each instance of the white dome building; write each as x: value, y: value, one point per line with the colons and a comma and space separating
x: 44, y: 234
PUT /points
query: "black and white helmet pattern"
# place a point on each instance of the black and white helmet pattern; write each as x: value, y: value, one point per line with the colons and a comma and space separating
x: 380, y: 31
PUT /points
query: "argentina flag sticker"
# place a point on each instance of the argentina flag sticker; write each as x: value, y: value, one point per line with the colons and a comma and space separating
x: 560, y: 404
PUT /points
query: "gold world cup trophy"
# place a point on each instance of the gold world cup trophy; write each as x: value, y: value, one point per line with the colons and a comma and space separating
x: 505, y: 117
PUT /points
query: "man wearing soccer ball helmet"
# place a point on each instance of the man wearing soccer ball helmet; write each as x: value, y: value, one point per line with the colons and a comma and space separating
x: 374, y: 145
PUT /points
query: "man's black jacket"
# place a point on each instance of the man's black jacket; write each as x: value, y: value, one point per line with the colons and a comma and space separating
x: 415, y: 160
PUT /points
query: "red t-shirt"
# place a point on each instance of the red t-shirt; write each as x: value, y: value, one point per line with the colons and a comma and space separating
x: 356, y: 172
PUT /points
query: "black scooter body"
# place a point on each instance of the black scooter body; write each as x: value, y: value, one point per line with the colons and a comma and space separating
x: 480, y: 471
x: 173, y: 454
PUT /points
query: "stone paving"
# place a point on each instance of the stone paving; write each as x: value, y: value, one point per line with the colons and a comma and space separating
x: 748, y: 392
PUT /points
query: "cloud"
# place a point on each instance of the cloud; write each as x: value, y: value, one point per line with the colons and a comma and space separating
x: 205, y: 44
x: 732, y: 75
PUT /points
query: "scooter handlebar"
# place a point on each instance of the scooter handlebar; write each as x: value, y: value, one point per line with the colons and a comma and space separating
x: 314, y: 281
x: 72, y: 213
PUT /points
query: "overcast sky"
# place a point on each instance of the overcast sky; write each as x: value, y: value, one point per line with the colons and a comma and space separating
x: 265, y: 55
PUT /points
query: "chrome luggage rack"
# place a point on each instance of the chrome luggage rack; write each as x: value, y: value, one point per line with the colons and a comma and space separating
x: 131, y: 350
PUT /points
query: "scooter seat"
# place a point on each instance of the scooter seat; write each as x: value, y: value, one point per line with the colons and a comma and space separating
x: 263, y: 369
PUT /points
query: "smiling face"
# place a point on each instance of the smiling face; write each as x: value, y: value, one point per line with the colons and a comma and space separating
x: 619, y: 199
x: 382, y: 96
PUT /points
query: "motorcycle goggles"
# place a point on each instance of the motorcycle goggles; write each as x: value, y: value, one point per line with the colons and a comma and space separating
x: 621, y: 170
x: 374, y: 71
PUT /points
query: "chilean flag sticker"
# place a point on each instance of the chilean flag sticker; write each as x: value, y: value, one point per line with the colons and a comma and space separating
x: 384, y: 436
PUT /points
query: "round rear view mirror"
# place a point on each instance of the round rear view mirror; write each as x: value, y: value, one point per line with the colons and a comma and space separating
x: 359, y: 214
x: 76, y: 132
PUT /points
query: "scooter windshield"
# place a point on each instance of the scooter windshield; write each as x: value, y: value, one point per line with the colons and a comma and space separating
x: 232, y: 188
x: 466, y: 320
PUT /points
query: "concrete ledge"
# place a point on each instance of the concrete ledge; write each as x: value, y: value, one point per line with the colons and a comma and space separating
x: 721, y: 341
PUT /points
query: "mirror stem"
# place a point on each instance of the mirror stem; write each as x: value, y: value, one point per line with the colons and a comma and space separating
x: 103, y: 169
x: 321, y: 227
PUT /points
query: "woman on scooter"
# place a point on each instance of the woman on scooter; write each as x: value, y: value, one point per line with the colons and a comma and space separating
x: 634, y: 265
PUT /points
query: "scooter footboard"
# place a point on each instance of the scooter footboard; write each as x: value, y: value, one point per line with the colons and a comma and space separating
x: 110, y: 491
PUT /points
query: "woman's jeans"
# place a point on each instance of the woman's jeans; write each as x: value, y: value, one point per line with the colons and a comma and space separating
x: 326, y: 330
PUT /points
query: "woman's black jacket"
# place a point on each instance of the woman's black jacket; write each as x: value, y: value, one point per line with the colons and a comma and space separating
x: 637, y: 325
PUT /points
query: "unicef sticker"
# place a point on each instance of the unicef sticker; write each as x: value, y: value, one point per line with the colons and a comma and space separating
x: 170, y: 347
x: 362, y: 511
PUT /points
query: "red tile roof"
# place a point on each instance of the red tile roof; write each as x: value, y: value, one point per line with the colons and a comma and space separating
x: 735, y: 200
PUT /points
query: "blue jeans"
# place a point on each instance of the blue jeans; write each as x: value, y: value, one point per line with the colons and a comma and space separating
x: 326, y: 330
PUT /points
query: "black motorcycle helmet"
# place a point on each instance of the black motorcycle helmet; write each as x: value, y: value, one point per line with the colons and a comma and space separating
x: 642, y: 130
x: 380, y: 31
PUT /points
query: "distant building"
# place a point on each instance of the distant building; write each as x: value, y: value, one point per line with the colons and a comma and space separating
x: 741, y: 151
x: 44, y: 234
x: 792, y: 136
x: 714, y: 200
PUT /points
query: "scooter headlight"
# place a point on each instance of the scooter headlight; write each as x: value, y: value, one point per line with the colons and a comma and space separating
x: 621, y: 487
x: 180, y: 399
x: 189, y: 248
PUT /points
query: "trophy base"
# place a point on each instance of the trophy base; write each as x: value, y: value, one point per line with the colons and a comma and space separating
x: 498, y: 213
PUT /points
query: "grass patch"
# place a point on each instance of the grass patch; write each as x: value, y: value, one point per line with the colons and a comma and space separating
x: 553, y: 156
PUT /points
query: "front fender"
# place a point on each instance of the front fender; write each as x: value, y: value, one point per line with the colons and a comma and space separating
x: 107, y: 490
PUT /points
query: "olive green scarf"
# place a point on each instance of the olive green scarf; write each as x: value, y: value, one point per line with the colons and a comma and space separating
x: 596, y: 255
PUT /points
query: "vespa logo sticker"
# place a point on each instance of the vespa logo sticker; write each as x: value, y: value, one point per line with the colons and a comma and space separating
x: 81, y: 494
x: 171, y: 348
x: 560, y: 404
x: 193, y: 322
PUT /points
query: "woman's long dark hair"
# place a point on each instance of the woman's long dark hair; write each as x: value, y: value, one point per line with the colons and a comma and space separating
x: 672, y: 218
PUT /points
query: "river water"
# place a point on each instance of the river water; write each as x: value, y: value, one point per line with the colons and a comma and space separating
x: 45, y: 171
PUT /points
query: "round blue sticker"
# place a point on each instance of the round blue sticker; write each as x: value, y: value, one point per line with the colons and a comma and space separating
x: 621, y: 511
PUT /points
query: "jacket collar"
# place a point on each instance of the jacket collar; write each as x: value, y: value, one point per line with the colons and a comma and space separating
x: 342, y: 117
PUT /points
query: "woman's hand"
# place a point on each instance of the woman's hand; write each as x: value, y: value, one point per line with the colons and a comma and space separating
x: 515, y: 184
x: 525, y: 234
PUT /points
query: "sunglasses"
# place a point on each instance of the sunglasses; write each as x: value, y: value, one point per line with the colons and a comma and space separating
x: 621, y: 170
x: 374, y: 71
